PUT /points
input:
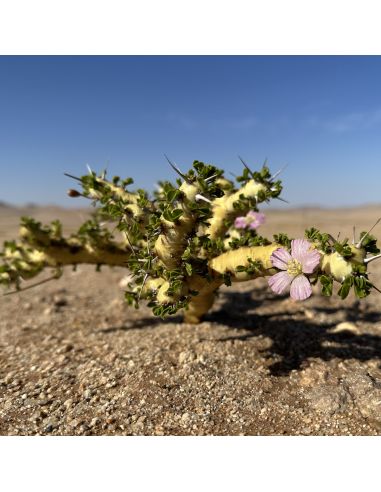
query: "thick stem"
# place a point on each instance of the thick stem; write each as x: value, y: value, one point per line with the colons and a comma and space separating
x: 200, y: 304
x: 171, y: 243
x: 223, y: 208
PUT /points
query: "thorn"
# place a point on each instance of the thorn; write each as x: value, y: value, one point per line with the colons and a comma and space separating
x: 200, y: 197
x: 278, y: 172
x: 89, y: 169
x: 73, y: 177
x: 143, y: 284
x: 103, y: 175
x: 354, y: 235
x: 377, y: 289
x: 358, y: 245
x: 368, y: 260
x: 54, y: 277
x: 130, y: 244
x: 177, y: 170
x: 281, y: 199
x: 247, y: 167
x: 337, y: 239
x: 211, y: 177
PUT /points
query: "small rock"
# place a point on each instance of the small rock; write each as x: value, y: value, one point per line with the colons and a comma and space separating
x: 346, y: 326
x: 59, y: 301
x: 185, y: 357
x: 95, y: 421
x: 68, y: 403
x: 88, y: 394
x: 50, y: 424
x: 74, y: 423
x: 310, y: 314
x: 327, y: 399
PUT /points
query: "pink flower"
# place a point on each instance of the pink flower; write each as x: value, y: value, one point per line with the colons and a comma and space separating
x: 302, y: 260
x: 251, y: 220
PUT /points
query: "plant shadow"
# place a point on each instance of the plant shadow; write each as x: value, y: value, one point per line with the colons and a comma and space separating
x: 294, y: 341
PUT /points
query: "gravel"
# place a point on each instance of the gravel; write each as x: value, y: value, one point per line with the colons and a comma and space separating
x: 75, y: 360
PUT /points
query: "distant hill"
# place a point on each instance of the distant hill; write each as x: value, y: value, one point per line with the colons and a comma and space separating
x: 5, y: 205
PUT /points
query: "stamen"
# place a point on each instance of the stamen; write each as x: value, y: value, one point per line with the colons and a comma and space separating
x: 358, y: 245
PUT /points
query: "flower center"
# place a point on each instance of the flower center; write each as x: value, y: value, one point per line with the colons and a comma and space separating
x: 294, y: 268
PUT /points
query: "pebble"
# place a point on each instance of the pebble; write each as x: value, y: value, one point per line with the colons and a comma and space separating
x: 346, y: 326
x: 88, y: 394
x: 68, y: 403
x: 59, y: 301
x: 95, y: 421
x: 50, y: 424
x: 185, y: 357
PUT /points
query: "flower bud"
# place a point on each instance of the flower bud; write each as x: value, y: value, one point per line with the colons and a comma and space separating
x: 73, y: 193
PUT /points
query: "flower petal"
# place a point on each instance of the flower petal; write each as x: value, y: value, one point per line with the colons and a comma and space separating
x: 301, y: 250
x: 300, y: 288
x: 310, y: 261
x: 240, y: 223
x: 280, y: 258
x: 256, y: 219
x: 280, y: 282
x: 299, y: 247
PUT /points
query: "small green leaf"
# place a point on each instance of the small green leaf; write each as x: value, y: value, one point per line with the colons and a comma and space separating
x: 345, y: 287
x: 189, y: 269
x: 327, y: 285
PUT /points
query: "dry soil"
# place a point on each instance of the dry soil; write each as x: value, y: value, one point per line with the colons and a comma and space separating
x: 75, y: 360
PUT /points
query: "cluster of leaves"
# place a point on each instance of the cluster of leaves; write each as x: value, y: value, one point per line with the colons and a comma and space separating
x: 283, y: 240
x: 18, y: 264
x: 322, y: 240
x: 248, y: 238
x: 358, y: 280
x: 253, y: 267
x: 274, y: 188
x: 369, y: 243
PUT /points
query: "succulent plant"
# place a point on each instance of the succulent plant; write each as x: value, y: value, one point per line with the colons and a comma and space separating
x: 192, y: 236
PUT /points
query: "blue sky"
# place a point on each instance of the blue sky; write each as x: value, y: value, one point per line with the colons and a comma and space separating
x: 319, y: 114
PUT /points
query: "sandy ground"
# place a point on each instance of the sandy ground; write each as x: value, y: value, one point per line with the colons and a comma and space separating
x: 75, y: 360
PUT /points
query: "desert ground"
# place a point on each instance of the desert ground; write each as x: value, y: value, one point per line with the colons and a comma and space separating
x: 76, y: 360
